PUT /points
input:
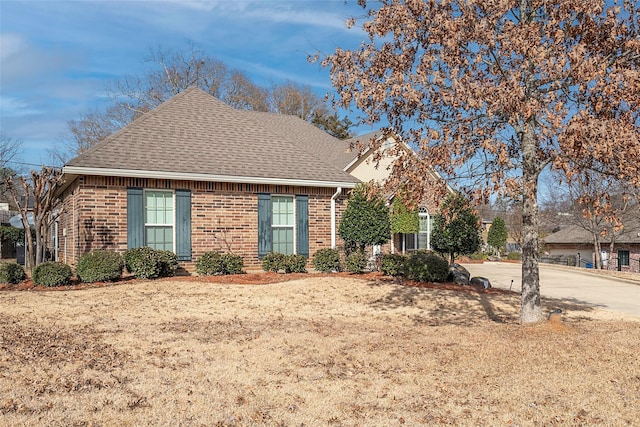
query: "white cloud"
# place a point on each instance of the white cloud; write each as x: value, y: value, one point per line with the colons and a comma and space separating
x: 13, y: 107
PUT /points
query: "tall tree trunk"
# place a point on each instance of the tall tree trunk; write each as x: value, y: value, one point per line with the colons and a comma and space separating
x: 531, y: 310
x: 597, y: 249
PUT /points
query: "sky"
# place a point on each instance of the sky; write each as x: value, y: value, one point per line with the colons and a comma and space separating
x: 57, y: 57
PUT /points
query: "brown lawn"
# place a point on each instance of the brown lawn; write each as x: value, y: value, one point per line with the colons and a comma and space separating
x: 317, y: 350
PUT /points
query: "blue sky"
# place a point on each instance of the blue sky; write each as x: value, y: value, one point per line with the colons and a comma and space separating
x: 56, y: 57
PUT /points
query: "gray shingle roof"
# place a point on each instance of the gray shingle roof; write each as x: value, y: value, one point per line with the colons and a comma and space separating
x: 195, y: 133
x: 574, y: 234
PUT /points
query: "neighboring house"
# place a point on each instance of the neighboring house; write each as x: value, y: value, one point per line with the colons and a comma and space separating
x: 196, y: 175
x: 574, y: 245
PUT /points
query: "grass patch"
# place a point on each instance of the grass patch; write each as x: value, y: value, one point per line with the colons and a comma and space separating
x: 319, y: 350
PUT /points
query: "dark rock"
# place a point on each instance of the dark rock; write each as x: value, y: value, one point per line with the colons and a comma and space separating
x: 458, y: 274
x: 480, y: 281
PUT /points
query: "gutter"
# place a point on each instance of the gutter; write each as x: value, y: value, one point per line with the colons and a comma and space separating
x: 333, y: 216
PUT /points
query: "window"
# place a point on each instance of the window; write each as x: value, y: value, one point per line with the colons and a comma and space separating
x: 283, y: 224
x: 421, y: 240
x: 158, y: 219
x: 623, y: 258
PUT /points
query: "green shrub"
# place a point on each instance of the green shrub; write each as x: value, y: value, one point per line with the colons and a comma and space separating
x: 168, y: 263
x: 393, y: 264
x: 356, y: 262
x: 210, y: 263
x: 232, y: 264
x: 213, y: 263
x: 295, y: 264
x: 273, y: 261
x: 11, y: 272
x: 143, y: 262
x: 52, y: 274
x: 327, y: 260
x: 99, y: 266
x: 426, y: 267
x: 479, y: 256
x: 514, y: 256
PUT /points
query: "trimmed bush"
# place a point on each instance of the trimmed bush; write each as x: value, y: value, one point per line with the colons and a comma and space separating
x: 232, y: 263
x: 142, y: 262
x: 52, y: 274
x: 99, y: 266
x: 213, y: 263
x: 168, y: 263
x: 273, y: 261
x: 479, y: 256
x: 327, y: 260
x: 210, y: 264
x: 11, y: 272
x: 426, y: 267
x: 514, y: 256
x: 393, y: 264
x: 295, y: 264
x: 356, y: 262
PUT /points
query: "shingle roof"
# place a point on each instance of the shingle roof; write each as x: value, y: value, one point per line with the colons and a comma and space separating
x: 308, y: 137
x: 195, y: 133
x: 574, y: 234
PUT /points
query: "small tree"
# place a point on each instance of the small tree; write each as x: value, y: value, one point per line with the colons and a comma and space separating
x: 456, y: 231
x: 497, y: 237
x: 366, y: 219
x: 42, y: 187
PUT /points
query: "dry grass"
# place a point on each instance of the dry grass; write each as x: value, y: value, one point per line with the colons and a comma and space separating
x: 313, y: 351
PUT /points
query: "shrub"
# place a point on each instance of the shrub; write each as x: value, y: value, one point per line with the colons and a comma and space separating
x: 142, y: 262
x: 295, y: 264
x: 327, y: 260
x: 232, y: 264
x: 210, y: 263
x: 168, y: 263
x: 52, y: 274
x: 479, y: 256
x: 213, y: 262
x: 99, y: 266
x: 426, y: 267
x: 514, y: 256
x: 11, y: 272
x: 393, y: 264
x: 356, y: 262
x: 273, y: 261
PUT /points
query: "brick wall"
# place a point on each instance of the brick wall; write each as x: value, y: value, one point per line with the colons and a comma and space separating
x: 223, y: 215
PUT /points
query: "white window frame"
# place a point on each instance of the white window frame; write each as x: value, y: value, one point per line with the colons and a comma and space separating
x: 422, y: 213
x: 293, y: 226
x: 173, y: 207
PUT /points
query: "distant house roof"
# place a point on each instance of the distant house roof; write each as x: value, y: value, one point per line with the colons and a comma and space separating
x: 194, y: 136
x: 574, y: 234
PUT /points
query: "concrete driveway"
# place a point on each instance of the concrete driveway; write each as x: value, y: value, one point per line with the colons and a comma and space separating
x: 566, y: 284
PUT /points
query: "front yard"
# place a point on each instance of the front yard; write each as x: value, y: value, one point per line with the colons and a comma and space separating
x: 319, y: 350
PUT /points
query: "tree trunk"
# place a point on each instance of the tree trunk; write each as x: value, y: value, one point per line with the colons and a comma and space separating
x: 531, y: 310
x: 597, y: 249
x: 452, y: 258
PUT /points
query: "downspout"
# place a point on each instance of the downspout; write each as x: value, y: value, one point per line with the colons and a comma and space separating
x: 333, y: 217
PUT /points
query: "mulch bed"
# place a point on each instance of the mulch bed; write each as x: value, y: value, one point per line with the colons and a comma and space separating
x: 264, y: 278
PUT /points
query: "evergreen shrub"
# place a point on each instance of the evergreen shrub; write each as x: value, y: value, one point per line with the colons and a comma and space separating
x: 99, y: 266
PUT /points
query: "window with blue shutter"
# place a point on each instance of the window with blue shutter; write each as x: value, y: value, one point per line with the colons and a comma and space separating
x: 156, y: 218
x: 281, y: 227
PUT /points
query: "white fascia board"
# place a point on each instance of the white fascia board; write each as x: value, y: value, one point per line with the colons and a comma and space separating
x: 77, y: 170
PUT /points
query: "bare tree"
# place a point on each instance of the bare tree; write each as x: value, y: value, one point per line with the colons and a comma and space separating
x: 9, y: 149
x: 503, y: 89
x: 41, y: 188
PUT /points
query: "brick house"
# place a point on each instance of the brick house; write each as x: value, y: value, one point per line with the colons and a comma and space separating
x: 575, y: 245
x: 195, y: 175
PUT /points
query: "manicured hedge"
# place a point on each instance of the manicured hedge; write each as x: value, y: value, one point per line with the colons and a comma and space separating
x: 213, y: 263
x: 426, y: 267
x: 52, y: 274
x: 11, y: 272
x: 393, y: 264
x: 99, y: 266
x: 327, y: 260
x: 356, y: 262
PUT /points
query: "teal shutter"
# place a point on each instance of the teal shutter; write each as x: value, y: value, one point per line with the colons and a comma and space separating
x: 264, y: 225
x: 135, y: 218
x: 302, y: 225
x: 183, y: 225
